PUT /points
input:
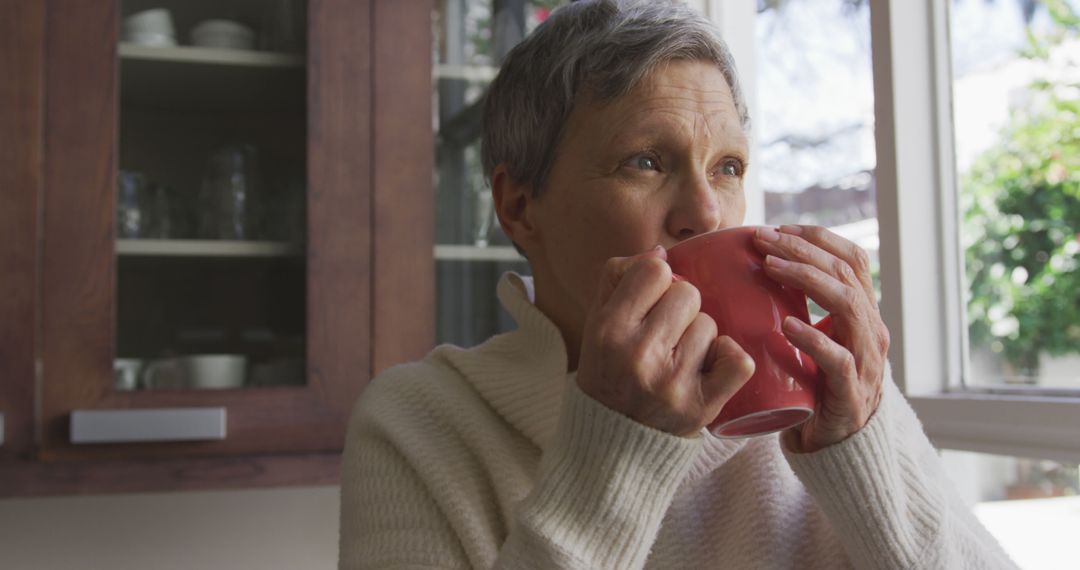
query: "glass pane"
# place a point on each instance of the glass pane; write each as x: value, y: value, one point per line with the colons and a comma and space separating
x: 211, y: 194
x: 1031, y: 506
x: 471, y: 37
x: 815, y: 121
x: 1016, y: 107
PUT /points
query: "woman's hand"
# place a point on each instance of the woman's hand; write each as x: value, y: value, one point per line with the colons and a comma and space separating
x: 835, y: 273
x: 648, y: 352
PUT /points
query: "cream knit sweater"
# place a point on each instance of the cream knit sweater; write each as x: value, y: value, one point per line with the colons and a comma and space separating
x: 491, y: 457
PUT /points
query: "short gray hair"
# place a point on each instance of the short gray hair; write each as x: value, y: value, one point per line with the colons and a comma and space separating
x: 604, y: 48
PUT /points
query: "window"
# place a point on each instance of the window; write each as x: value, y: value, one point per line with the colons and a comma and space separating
x: 1016, y: 87
x: 814, y: 124
x: 920, y: 182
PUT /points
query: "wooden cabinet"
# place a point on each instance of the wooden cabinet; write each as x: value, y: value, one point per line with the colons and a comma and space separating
x: 352, y: 297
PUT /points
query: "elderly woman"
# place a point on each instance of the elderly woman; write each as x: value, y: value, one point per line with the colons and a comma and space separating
x: 616, y: 130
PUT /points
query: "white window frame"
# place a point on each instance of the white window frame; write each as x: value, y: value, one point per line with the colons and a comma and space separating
x: 921, y: 262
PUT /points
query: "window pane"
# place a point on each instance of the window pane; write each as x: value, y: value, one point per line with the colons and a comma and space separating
x: 815, y: 127
x: 1031, y: 506
x: 1016, y: 107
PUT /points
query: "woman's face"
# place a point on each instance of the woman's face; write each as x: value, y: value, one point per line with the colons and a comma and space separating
x: 658, y: 166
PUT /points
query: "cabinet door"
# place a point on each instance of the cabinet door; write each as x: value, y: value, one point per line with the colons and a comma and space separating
x: 471, y: 252
x: 207, y: 243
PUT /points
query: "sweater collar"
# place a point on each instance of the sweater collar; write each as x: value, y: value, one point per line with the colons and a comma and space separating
x: 522, y: 374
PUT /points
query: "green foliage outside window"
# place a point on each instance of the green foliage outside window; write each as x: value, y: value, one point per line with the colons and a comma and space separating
x: 1021, y: 205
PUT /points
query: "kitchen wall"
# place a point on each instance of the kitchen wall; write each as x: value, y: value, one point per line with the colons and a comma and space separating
x: 294, y: 528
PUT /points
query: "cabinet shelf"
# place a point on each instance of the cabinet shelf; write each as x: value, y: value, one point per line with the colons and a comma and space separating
x: 187, y: 78
x: 502, y: 253
x: 205, y: 248
x: 209, y: 56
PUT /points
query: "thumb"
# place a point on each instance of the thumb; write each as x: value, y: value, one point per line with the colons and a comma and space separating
x: 617, y: 267
x: 729, y: 368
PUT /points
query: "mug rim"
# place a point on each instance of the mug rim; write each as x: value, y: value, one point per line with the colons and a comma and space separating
x: 715, y: 430
x: 754, y: 227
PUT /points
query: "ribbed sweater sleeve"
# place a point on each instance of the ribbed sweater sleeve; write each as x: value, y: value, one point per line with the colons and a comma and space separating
x: 886, y: 494
x: 604, y: 487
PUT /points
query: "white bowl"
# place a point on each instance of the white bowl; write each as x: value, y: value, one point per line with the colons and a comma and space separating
x: 224, y: 34
x: 154, y: 21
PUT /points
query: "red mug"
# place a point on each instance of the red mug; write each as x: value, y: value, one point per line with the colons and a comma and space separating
x: 750, y: 307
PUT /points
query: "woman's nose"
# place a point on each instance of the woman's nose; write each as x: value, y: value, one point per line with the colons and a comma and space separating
x: 695, y: 210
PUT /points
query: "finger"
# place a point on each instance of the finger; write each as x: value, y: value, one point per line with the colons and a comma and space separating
x: 855, y: 256
x: 834, y: 360
x: 695, y: 346
x: 669, y: 318
x: 617, y: 270
x: 729, y: 368
x: 857, y: 323
x: 640, y: 288
x: 795, y: 248
x: 833, y: 295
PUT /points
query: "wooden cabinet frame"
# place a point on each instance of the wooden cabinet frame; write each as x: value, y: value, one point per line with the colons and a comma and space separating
x: 370, y: 275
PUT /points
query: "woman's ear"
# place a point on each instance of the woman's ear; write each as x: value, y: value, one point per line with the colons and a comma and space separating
x: 513, y: 201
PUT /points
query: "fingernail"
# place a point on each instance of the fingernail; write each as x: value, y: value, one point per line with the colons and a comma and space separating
x: 768, y: 234
x: 775, y: 261
x: 793, y: 230
x: 794, y: 324
x: 660, y: 252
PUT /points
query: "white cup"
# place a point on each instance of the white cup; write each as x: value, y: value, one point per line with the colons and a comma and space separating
x: 126, y: 373
x: 150, y: 27
x: 216, y: 371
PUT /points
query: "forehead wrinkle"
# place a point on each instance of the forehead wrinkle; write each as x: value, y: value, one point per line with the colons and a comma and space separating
x: 658, y: 82
x: 667, y: 100
x: 665, y: 109
x: 711, y: 125
x: 711, y: 109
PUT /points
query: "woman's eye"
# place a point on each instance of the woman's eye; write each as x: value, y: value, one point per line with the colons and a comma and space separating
x: 646, y: 162
x: 732, y: 168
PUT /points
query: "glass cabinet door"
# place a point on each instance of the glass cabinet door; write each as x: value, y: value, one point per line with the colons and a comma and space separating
x: 208, y: 253
x: 210, y: 200
x: 471, y: 252
x: 207, y: 244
